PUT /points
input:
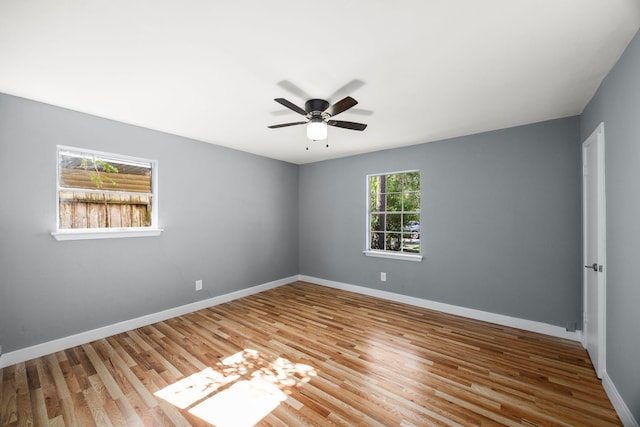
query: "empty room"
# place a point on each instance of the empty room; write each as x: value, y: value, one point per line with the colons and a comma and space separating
x: 342, y: 213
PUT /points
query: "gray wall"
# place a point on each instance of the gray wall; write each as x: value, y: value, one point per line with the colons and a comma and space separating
x: 617, y: 104
x: 501, y: 222
x: 231, y: 219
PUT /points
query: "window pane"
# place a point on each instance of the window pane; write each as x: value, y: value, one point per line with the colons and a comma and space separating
x: 100, y: 210
x: 394, y: 202
x: 377, y: 193
x: 409, y: 244
x: 412, y: 181
x: 377, y: 240
x: 393, y: 242
x: 372, y: 193
x: 411, y: 225
x: 372, y: 204
x: 411, y: 201
x: 394, y: 183
x: 90, y: 172
x: 377, y: 222
x: 410, y: 220
x: 393, y: 222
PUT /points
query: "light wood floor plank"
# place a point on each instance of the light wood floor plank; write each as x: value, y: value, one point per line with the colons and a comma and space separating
x: 327, y: 357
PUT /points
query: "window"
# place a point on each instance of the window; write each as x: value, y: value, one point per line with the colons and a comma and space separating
x: 105, y: 195
x: 393, y: 217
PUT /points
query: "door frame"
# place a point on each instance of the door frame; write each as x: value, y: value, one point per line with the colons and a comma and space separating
x: 596, y: 137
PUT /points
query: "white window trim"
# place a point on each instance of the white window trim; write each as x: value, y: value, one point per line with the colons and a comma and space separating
x: 108, y: 233
x: 104, y: 233
x: 393, y: 255
x: 388, y: 254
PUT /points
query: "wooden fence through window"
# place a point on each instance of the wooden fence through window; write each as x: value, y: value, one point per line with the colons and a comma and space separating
x: 92, y: 210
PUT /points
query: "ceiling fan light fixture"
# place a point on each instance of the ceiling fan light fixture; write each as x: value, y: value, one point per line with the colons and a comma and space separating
x: 317, y: 130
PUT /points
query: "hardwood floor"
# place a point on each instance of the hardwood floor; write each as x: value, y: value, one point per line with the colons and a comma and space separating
x: 303, y: 354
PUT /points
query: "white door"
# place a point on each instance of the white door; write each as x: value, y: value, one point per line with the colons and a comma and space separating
x: 594, y: 238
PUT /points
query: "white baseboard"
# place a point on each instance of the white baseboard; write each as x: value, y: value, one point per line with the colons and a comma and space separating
x: 618, y: 404
x: 499, y: 319
x: 49, y: 347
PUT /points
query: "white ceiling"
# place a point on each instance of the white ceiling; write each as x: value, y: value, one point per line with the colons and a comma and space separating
x: 422, y: 70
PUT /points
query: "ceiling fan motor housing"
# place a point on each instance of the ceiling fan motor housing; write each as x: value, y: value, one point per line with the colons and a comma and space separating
x: 316, y: 106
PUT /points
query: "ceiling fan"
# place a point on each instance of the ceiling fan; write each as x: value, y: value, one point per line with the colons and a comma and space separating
x: 318, y: 113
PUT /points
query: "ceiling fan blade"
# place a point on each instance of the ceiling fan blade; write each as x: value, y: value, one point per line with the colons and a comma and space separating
x: 286, y: 124
x: 361, y: 111
x: 282, y: 112
x: 290, y: 105
x: 348, y: 88
x: 347, y: 125
x: 294, y: 89
x: 343, y: 105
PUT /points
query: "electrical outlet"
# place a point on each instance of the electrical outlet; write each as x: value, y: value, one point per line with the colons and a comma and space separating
x: 199, y: 285
x: 383, y: 276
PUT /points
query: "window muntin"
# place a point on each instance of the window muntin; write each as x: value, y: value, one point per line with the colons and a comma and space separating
x: 104, y: 191
x: 394, y: 212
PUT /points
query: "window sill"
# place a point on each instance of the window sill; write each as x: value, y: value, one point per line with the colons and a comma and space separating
x: 394, y: 255
x: 113, y: 233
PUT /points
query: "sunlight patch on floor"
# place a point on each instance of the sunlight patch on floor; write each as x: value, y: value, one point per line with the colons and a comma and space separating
x: 195, y: 387
x: 240, y: 390
x: 243, y: 404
